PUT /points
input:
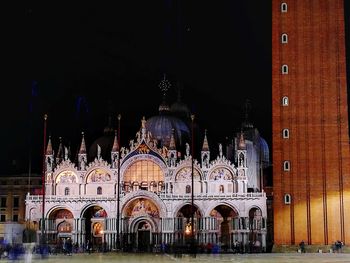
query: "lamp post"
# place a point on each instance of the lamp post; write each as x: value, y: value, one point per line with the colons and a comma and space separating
x: 43, y: 240
x: 118, y: 189
x: 192, y: 184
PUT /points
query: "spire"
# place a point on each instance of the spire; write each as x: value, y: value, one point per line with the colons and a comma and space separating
x: 49, y: 147
x: 246, y: 124
x: 115, y: 147
x: 241, y: 143
x: 108, y: 129
x: 82, y: 145
x: 205, y: 146
x: 164, y: 86
x: 143, y: 127
x: 172, y: 145
x: 60, y: 149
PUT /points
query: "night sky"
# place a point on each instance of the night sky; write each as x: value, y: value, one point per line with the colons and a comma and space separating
x: 81, y: 63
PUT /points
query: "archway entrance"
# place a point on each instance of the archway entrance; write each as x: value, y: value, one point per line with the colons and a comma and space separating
x: 224, y: 216
x: 185, y: 225
x: 63, y: 220
x: 141, y: 217
x: 143, y: 236
x: 255, y: 226
x: 94, y: 226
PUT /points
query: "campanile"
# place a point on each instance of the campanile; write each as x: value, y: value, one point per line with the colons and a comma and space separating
x: 310, y: 146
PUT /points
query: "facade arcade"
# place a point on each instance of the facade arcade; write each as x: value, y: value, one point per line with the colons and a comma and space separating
x: 155, y: 197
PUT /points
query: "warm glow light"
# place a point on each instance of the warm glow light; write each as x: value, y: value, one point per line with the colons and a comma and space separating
x: 188, y: 229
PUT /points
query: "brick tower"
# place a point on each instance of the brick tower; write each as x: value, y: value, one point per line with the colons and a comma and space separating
x: 311, y: 175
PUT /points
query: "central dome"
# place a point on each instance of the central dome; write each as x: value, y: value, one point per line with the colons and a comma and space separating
x: 161, y: 127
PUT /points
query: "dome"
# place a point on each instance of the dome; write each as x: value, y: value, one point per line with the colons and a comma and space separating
x: 161, y: 127
x: 106, y: 144
x: 265, y: 152
x: 180, y: 109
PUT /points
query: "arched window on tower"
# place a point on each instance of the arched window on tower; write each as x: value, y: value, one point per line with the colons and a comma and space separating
x: 285, y: 133
x: 284, y: 7
x: 284, y: 69
x: 66, y: 191
x: 188, y: 189
x: 99, y: 190
x: 284, y: 38
x: 286, y: 166
x: 285, y: 101
x: 287, y: 199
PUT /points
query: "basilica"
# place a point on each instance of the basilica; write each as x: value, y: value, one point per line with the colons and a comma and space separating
x: 151, y: 192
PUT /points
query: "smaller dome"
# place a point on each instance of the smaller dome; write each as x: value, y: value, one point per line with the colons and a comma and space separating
x: 264, y: 150
x: 106, y: 144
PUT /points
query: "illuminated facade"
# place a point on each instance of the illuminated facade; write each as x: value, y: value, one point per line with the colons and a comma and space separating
x: 311, y: 164
x: 155, y: 196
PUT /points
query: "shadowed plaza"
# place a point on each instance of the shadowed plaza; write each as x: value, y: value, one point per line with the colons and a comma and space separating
x: 155, y: 258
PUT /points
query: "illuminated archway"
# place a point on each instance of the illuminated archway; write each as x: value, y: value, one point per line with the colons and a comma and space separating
x: 94, y: 217
x: 63, y: 219
x: 144, y: 175
x: 184, y: 217
x: 224, y: 215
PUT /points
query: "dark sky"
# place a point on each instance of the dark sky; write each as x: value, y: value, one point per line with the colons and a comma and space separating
x: 111, y: 58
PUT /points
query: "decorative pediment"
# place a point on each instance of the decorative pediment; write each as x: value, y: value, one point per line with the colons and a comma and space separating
x: 66, y: 164
x: 221, y: 161
x: 187, y: 161
x: 99, y: 163
x: 143, y: 148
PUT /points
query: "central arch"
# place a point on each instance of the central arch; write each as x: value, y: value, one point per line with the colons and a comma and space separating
x: 142, y: 223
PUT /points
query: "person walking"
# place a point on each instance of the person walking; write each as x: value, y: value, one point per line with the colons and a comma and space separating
x: 302, y: 246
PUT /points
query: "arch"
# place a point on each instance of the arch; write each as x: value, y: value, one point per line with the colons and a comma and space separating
x: 88, y: 206
x: 64, y: 227
x: 178, y: 208
x: 287, y: 199
x: 60, y: 213
x: 284, y: 7
x: 66, y: 177
x: 284, y: 69
x: 66, y: 191
x: 284, y: 38
x: 224, y: 215
x: 185, y: 174
x: 188, y: 189
x: 285, y: 133
x: 141, y: 207
x: 127, y: 161
x: 99, y: 190
x: 98, y: 175
x: 147, y: 195
x: 134, y: 224
x: 213, y: 206
x: 285, y: 101
x: 220, y: 173
x: 97, y: 229
x: 144, y: 170
x: 286, y: 166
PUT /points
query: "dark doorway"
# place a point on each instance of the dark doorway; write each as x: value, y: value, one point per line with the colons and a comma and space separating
x: 144, y: 240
